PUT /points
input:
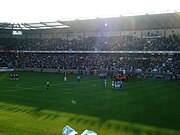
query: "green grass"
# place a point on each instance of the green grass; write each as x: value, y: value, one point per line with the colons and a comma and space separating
x: 143, y: 107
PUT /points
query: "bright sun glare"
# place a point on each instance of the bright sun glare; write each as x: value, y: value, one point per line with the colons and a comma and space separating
x: 21, y: 11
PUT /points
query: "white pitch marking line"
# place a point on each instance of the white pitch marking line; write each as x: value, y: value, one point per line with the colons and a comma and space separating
x: 22, y: 88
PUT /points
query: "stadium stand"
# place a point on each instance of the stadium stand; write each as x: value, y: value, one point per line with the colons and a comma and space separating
x: 127, y: 43
x: 33, y: 48
x: 132, y: 63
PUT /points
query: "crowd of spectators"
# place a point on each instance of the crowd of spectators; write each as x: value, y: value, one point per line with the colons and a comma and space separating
x: 49, y: 44
x: 127, y: 43
x: 130, y: 62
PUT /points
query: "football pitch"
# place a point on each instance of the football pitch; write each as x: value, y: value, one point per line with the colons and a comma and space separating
x: 142, y: 107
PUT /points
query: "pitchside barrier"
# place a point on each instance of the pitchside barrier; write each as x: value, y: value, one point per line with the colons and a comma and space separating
x: 153, y: 75
x: 5, y: 69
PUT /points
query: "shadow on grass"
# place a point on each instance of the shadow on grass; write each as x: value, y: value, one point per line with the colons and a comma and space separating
x: 34, y: 112
x: 115, y: 125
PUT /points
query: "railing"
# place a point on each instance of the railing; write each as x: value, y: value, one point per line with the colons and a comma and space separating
x: 103, y: 52
x: 90, y: 52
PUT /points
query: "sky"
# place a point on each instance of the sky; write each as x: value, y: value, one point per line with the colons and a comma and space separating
x: 34, y: 11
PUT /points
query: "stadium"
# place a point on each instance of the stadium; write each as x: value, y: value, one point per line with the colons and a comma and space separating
x: 117, y: 75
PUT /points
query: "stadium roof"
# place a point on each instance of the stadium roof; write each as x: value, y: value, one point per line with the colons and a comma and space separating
x: 127, y: 23
x: 122, y: 23
x: 33, y: 26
